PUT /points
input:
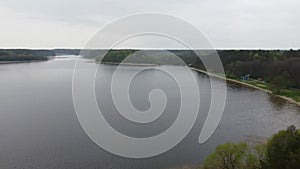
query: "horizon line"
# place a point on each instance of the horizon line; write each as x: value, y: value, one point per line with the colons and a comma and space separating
x: 70, y: 48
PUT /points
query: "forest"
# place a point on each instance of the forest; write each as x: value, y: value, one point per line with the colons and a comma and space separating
x: 31, y: 55
x: 24, y: 54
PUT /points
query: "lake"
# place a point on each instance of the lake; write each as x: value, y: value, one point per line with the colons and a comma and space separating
x: 39, y: 127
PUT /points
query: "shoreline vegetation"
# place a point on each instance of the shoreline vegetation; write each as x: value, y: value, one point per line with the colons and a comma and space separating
x: 280, y: 151
x: 256, y: 85
x: 8, y: 56
x: 24, y: 55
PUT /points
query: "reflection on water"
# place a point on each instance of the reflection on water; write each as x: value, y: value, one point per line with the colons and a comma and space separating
x: 277, y: 101
x: 39, y: 128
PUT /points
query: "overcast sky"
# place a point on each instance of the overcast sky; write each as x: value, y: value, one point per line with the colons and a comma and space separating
x: 227, y: 23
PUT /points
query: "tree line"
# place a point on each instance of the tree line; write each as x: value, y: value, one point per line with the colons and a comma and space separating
x: 280, y: 68
x: 24, y: 54
x: 28, y: 54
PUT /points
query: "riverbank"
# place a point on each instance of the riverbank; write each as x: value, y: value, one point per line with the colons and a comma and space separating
x: 256, y: 85
x: 250, y: 84
x: 290, y: 92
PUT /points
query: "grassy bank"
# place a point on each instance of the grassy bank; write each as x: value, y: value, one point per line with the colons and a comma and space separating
x: 290, y: 93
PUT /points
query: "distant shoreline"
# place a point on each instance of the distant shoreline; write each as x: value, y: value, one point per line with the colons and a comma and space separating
x: 126, y: 64
x: 25, y: 61
x: 288, y: 99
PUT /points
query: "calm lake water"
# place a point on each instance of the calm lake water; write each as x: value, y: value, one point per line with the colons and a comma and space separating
x: 39, y: 128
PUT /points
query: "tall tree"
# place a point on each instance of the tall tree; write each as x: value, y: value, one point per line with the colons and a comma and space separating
x: 283, y: 150
x: 231, y: 156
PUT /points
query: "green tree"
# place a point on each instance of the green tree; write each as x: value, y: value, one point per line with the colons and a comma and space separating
x: 283, y: 150
x: 231, y: 156
x: 280, y: 82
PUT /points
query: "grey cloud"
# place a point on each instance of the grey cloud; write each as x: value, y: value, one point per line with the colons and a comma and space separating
x: 228, y: 23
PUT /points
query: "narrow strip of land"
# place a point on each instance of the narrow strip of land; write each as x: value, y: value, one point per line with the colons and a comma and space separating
x: 289, y: 99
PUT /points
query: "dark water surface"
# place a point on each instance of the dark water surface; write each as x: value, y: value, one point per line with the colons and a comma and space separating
x: 39, y: 128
